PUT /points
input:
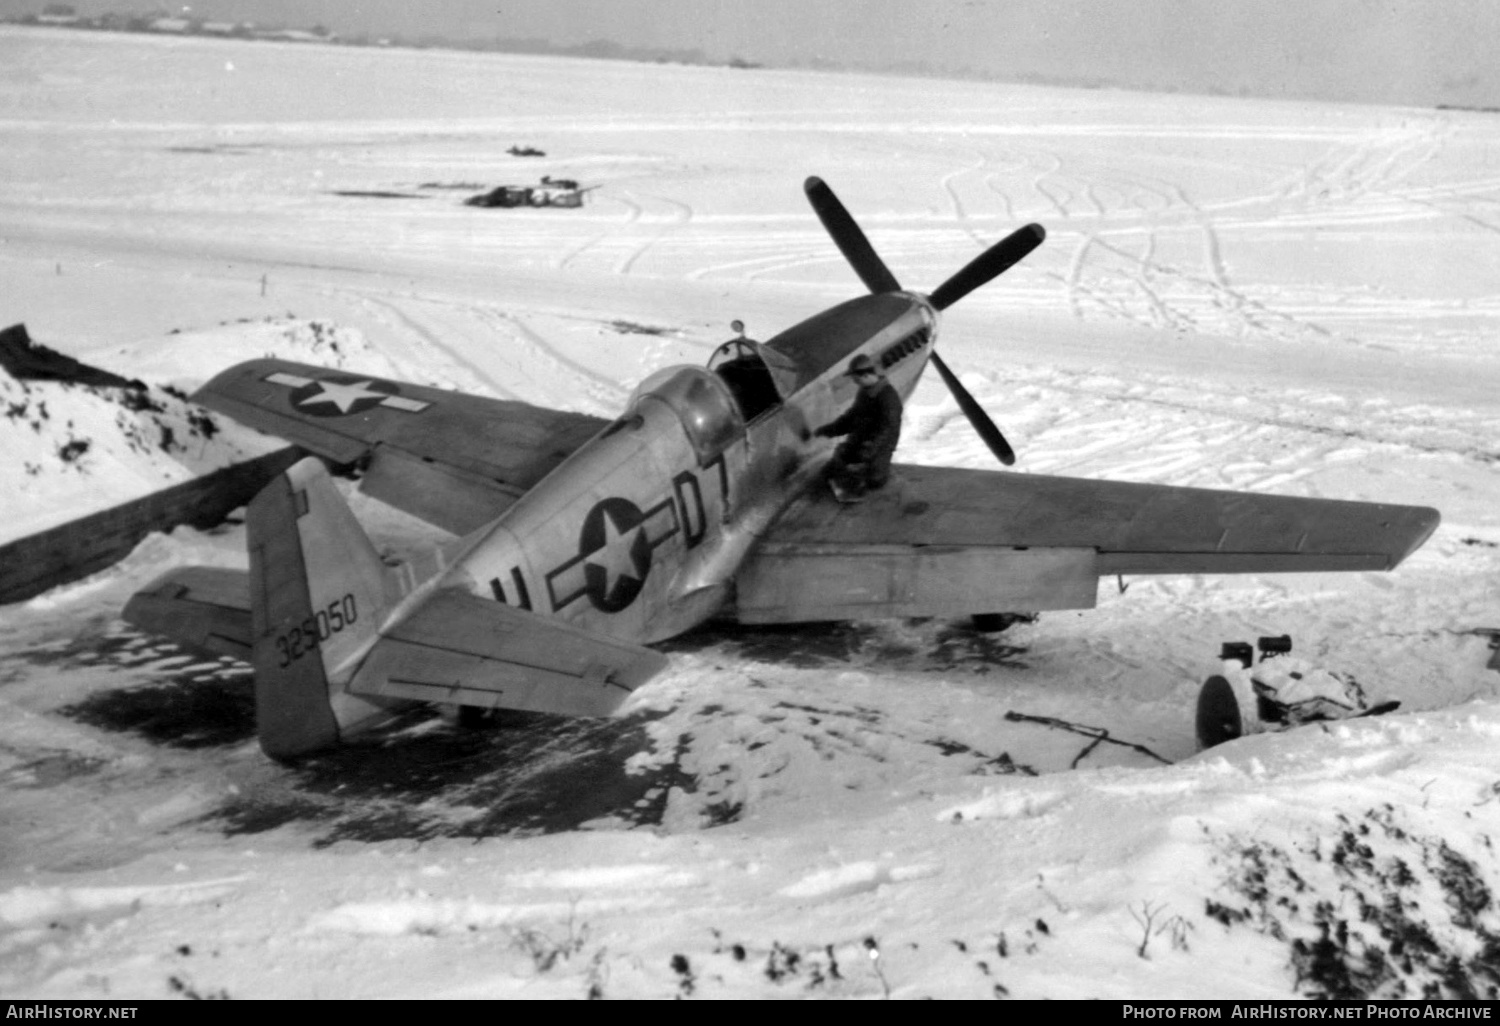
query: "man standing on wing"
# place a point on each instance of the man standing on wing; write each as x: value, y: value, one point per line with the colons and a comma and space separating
x: 870, y: 428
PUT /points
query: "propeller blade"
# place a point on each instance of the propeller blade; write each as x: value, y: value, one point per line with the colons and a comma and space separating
x: 849, y: 238
x: 977, y: 417
x: 992, y: 262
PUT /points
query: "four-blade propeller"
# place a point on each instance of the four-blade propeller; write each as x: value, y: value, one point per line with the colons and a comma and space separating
x: 878, y: 278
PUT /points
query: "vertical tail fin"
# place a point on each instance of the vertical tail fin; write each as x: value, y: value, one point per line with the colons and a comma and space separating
x: 317, y: 593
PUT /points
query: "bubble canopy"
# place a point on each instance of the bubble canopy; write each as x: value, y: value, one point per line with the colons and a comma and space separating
x: 701, y: 401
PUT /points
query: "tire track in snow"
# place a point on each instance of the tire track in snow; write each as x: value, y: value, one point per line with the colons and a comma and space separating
x: 1143, y: 274
x: 1228, y: 299
x: 1152, y: 279
x: 431, y: 340
x: 680, y: 214
x: 1079, y: 290
x: 633, y: 213
x: 1251, y: 427
x: 1091, y: 193
x: 1005, y: 201
x: 1162, y: 314
x: 960, y: 213
x: 1075, y: 274
x: 992, y: 183
x: 1368, y: 167
x: 787, y: 252
x: 489, y: 325
x: 605, y: 391
x: 1349, y: 173
x: 1059, y: 205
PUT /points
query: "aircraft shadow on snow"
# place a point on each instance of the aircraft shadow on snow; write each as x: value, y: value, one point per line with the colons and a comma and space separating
x: 423, y: 776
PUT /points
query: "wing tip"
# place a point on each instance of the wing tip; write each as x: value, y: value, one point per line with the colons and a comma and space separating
x: 1420, y: 523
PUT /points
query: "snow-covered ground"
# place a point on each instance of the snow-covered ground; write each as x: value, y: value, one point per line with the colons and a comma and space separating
x: 1265, y: 296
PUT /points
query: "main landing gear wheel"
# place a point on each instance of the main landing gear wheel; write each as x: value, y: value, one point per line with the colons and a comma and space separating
x: 473, y: 717
x: 1220, y: 717
x: 477, y: 717
x: 993, y: 623
x: 1278, y: 693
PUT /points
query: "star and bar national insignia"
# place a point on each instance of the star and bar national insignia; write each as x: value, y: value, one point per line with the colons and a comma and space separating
x: 343, y: 395
x: 614, y: 554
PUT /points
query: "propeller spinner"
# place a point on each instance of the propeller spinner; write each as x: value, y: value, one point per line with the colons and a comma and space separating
x: 988, y: 265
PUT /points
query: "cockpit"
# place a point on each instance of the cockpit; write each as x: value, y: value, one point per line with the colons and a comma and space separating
x: 746, y: 379
x: 761, y: 375
x: 741, y: 367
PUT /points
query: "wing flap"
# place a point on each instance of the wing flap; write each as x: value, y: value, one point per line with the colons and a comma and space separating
x: 795, y: 583
x: 495, y: 449
x: 453, y: 499
x: 458, y: 647
x: 202, y: 608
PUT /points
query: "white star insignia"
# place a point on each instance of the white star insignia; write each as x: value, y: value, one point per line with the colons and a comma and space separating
x: 616, y: 556
x: 343, y: 396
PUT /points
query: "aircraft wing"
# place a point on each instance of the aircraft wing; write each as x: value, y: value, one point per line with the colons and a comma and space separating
x: 457, y: 647
x: 202, y: 608
x: 948, y: 541
x: 454, y: 460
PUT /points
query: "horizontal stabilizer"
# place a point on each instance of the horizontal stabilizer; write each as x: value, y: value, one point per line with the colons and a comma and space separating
x: 460, y: 648
x: 204, y: 609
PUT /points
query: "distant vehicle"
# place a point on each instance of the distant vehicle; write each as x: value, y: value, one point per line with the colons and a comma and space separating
x: 552, y: 192
x: 581, y: 540
x: 502, y: 196
x: 526, y: 151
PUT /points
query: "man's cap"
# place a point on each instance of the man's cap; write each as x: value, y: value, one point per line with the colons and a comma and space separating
x: 860, y: 364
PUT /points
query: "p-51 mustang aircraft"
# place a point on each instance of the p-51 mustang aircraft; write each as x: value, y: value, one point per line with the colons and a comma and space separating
x: 581, y: 541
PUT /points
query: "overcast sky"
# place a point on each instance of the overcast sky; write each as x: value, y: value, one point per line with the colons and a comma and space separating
x: 1383, y: 51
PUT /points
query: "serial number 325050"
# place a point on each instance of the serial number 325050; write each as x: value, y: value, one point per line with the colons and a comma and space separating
x: 293, y: 644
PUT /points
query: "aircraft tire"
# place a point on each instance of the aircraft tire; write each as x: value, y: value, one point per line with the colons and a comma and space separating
x: 476, y: 717
x: 472, y: 717
x: 1220, y: 717
x: 994, y: 623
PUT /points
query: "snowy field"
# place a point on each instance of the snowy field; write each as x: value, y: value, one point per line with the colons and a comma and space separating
x: 1273, y: 297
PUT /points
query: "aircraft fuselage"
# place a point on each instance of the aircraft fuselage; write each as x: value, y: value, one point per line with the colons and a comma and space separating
x: 638, y: 535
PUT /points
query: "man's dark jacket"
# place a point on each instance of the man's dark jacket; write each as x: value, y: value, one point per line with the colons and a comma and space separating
x: 873, y: 427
